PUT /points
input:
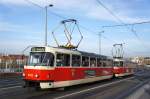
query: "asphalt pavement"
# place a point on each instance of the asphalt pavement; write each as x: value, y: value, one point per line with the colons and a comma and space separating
x: 11, y: 88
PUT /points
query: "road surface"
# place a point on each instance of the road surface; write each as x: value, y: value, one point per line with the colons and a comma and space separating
x: 11, y: 88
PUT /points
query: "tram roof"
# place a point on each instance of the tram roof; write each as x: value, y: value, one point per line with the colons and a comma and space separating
x: 92, y: 55
x: 63, y: 50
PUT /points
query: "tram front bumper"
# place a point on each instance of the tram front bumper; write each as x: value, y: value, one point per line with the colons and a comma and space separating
x: 40, y: 84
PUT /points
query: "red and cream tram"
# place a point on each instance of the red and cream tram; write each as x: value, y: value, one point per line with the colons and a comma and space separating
x: 123, y: 67
x: 53, y: 67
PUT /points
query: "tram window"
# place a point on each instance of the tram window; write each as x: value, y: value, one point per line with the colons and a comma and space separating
x: 93, y: 62
x: 121, y: 64
x: 109, y: 63
x: 117, y: 63
x: 41, y: 59
x: 48, y: 59
x: 98, y: 62
x: 63, y: 60
x: 85, y: 61
x: 76, y: 60
x: 104, y: 64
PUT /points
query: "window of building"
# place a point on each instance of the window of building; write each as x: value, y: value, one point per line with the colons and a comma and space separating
x: 62, y: 59
x: 76, y: 60
x: 85, y: 61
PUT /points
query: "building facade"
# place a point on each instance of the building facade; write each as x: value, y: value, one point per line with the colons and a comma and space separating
x: 141, y: 60
x: 12, y: 63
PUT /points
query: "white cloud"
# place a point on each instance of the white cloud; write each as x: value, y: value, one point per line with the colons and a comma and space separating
x: 76, y: 4
x: 16, y: 46
x: 87, y: 8
x: 58, y: 3
x: 22, y: 2
x: 22, y: 32
x: 13, y: 2
x: 5, y: 26
x: 101, y: 14
x: 17, y: 28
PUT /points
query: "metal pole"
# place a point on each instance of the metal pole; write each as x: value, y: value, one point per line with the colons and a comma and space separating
x: 46, y: 7
x: 100, y: 45
x: 46, y: 25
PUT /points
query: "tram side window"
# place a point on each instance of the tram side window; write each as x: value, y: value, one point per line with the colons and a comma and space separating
x: 98, y: 62
x: 63, y: 60
x: 76, y: 59
x: 121, y: 63
x: 127, y: 64
x: 85, y: 61
x: 93, y: 62
x: 109, y: 63
x: 104, y: 64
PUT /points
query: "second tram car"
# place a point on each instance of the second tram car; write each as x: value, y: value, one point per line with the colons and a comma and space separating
x: 53, y: 67
x: 123, y: 67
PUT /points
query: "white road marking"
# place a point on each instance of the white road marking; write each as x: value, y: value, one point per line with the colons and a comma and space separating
x: 1, y: 89
x: 86, y: 90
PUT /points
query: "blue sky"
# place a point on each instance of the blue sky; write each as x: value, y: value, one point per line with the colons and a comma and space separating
x: 22, y: 24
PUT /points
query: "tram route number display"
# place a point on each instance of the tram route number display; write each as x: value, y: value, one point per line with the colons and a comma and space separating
x: 90, y: 73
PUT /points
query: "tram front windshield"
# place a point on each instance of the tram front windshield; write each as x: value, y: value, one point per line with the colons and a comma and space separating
x: 118, y: 63
x: 41, y: 59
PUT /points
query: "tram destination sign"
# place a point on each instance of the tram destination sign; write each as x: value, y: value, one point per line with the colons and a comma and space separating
x: 41, y: 49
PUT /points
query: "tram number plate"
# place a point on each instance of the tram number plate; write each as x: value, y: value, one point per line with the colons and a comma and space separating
x: 90, y: 73
x: 30, y: 75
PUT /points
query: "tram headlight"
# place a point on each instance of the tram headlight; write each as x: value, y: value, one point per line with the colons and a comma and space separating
x: 23, y: 75
x: 37, y: 76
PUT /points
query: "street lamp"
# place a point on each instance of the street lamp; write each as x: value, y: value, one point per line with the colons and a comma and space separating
x: 46, y: 7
